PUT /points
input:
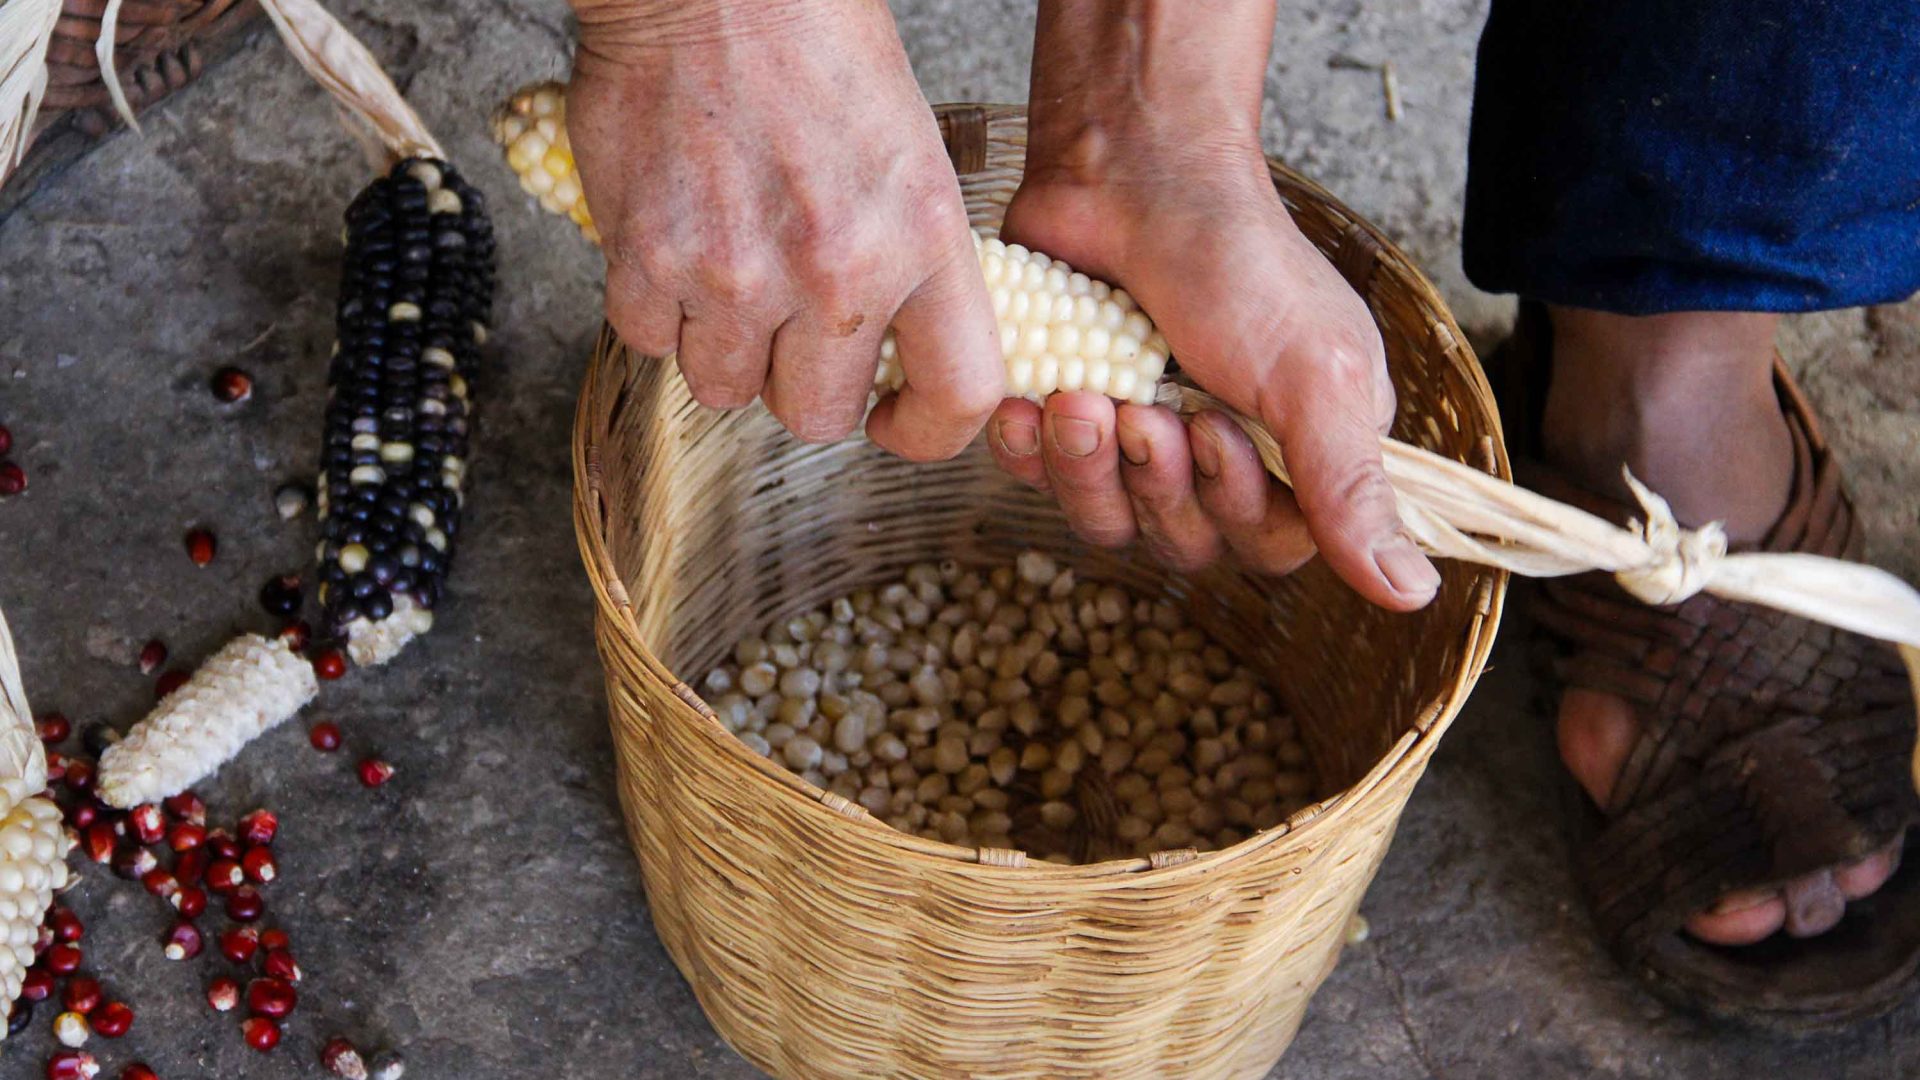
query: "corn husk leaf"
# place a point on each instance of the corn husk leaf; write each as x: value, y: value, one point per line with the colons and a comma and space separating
x: 26, y: 28
x: 360, y: 87
x: 23, y: 761
x: 109, y: 73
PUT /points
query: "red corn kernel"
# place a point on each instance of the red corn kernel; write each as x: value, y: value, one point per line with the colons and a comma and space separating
x: 36, y: 985
x: 222, y: 845
x: 259, y: 828
x: 66, y: 925
x: 329, y: 664
x: 160, y: 883
x: 56, y: 767
x: 113, y: 1019
x: 200, y: 546
x: 261, y: 1033
x: 168, y: 683
x: 13, y: 479
x: 280, y: 964
x: 186, y: 836
x: 42, y: 940
x: 342, y: 1059
x: 274, y: 939
x: 138, y: 1071
x: 223, y: 994
x: 82, y: 814
x: 53, y: 727
x: 152, y: 655
x: 187, y: 807
x: 133, y: 863
x: 224, y: 876
x: 63, y: 959
x: 190, y: 901
x: 272, y: 998
x: 231, y: 386
x: 184, y: 941
x: 240, y: 943
x: 72, y: 1065
x: 79, y: 775
x: 149, y: 824
x: 82, y: 994
x: 295, y: 634
x: 6, y: 439
x: 190, y: 866
x: 325, y: 735
x: 374, y: 772
x: 244, y: 904
x: 259, y: 865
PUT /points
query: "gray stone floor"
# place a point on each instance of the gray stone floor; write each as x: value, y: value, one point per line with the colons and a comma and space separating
x: 482, y: 911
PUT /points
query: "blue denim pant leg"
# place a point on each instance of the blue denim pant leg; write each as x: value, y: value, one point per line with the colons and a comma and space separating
x: 1643, y: 156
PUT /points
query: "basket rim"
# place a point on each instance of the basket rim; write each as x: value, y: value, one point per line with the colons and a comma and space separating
x: 1410, y: 750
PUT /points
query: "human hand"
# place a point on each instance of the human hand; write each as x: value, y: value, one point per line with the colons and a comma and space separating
x: 773, y: 193
x: 1144, y: 168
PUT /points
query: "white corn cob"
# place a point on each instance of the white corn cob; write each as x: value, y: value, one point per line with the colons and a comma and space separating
x: 1059, y: 330
x: 250, y: 685
x: 33, y: 866
x: 23, y: 760
x: 370, y: 643
x: 532, y: 125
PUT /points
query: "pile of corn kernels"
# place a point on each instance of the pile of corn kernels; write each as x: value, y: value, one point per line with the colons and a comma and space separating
x: 1019, y: 707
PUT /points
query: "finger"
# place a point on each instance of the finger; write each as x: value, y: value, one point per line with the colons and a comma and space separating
x: 1157, y: 472
x: 1084, y: 466
x: 949, y: 348
x: 822, y: 371
x: 1014, y: 436
x: 1325, y: 422
x: 725, y: 359
x: 646, y: 318
x: 1257, y: 517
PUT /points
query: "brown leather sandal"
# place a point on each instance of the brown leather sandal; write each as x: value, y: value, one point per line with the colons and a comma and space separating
x: 1770, y: 747
x: 160, y: 46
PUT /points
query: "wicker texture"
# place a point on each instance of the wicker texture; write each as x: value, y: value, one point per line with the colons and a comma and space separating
x: 158, y: 50
x: 825, y: 945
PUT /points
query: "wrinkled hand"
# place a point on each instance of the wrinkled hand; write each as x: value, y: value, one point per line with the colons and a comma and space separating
x: 1258, y: 317
x: 773, y: 193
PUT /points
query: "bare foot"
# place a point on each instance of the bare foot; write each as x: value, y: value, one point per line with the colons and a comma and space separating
x: 1689, y: 405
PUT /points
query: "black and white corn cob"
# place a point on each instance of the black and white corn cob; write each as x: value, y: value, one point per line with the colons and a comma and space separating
x: 415, y: 296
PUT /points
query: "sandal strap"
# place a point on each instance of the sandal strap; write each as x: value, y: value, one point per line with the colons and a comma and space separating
x: 1769, y: 746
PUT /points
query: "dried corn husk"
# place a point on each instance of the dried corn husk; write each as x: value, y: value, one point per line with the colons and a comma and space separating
x: 23, y: 761
x: 358, y: 85
x: 26, y: 27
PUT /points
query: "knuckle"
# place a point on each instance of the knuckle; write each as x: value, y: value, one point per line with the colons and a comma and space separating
x: 737, y: 278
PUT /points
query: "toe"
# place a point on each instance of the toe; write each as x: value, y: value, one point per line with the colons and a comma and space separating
x: 1596, y: 732
x: 1756, y: 916
x: 1814, y: 904
x: 1864, y: 878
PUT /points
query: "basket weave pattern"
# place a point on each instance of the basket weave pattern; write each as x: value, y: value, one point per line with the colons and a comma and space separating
x: 156, y: 50
x: 824, y: 944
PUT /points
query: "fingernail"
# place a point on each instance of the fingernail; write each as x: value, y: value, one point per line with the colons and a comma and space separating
x: 1076, y: 438
x: 1206, y: 452
x: 1020, y: 439
x: 1406, y: 569
x: 1133, y: 446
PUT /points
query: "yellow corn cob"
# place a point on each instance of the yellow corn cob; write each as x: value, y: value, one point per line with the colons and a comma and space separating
x: 1059, y: 330
x: 532, y: 126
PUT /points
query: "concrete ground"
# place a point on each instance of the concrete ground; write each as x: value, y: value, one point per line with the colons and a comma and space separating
x: 482, y: 911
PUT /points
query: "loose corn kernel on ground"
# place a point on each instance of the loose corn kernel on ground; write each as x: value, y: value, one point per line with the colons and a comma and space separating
x: 1018, y: 707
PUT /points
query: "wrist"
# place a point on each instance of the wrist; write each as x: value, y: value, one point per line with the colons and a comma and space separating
x: 1119, y: 83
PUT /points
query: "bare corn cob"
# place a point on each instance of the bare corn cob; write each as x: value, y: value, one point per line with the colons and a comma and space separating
x: 415, y: 294
x: 33, y: 866
x: 250, y: 685
x: 532, y: 125
x: 1059, y: 329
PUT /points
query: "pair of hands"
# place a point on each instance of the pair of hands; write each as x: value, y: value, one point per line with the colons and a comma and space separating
x: 773, y: 193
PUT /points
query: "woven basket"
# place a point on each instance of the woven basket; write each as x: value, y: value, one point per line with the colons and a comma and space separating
x: 824, y: 944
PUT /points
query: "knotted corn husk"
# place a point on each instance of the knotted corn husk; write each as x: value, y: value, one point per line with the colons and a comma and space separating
x: 1457, y: 512
x: 33, y: 838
